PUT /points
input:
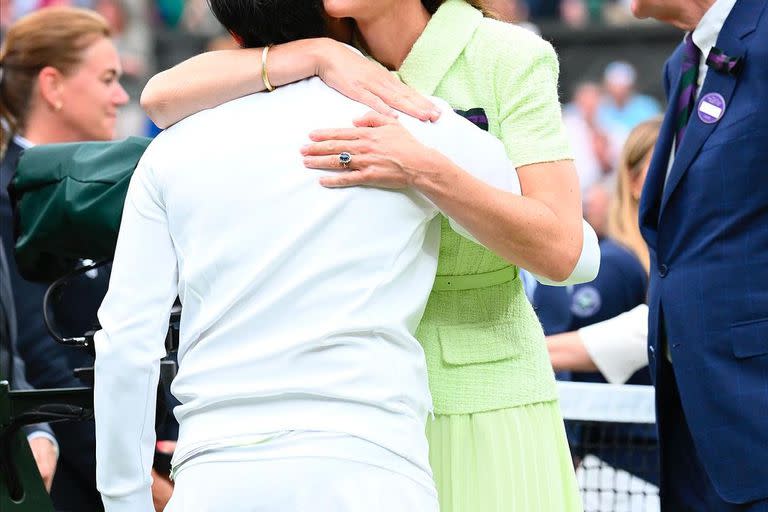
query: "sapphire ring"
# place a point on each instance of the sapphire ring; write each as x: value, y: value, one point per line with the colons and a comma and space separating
x: 345, y: 159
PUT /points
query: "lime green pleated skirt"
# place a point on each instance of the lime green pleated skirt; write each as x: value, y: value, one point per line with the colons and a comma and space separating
x: 508, y: 460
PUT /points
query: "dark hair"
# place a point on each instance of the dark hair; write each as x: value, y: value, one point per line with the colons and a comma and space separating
x: 255, y: 23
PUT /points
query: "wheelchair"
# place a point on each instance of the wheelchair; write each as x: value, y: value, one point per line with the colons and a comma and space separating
x: 21, y: 487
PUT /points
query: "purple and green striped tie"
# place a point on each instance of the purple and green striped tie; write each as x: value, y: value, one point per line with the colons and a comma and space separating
x: 688, y: 86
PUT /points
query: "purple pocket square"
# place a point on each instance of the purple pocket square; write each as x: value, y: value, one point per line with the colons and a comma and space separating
x: 723, y: 63
x: 476, y: 116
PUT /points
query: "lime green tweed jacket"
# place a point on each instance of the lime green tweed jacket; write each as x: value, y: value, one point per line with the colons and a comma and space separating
x: 484, y: 345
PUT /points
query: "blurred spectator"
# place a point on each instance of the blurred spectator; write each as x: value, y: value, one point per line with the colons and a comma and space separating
x: 170, y: 11
x: 60, y: 83
x: 574, y: 13
x: 621, y: 284
x: 597, y: 202
x: 133, y: 53
x: 197, y: 19
x: 132, y: 36
x: 6, y: 15
x: 223, y: 42
x: 551, y: 303
x: 511, y: 11
x: 60, y: 78
x: 622, y: 107
x: 592, y: 150
x: 618, y: 12
x: 23, y: 7
x: 544, y: 9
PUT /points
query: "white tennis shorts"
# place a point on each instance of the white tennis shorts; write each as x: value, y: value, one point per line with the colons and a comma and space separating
x: 300, y: 484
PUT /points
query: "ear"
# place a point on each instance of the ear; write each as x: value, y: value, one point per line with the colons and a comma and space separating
x: 51, y: 84
x: 636, y: 183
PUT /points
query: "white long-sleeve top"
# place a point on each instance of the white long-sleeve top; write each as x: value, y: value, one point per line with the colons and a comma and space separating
x: 299, y: 302
x: 618, y: 346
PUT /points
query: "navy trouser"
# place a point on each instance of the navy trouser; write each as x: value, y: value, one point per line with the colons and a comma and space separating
x: 685, y: 485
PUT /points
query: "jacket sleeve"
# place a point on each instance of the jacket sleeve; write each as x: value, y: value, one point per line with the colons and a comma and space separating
x: 532, y: 130
x: 530, y: 117
x: 134, y: 319
x: 488, y: 161
x: 618, y: 346
x: 16, y: 364
x: 20, y: 382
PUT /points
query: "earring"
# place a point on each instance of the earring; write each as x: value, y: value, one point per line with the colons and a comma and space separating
x: 57, y: 107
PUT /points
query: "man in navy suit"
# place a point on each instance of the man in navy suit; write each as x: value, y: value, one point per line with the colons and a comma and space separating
x: 704, y: 215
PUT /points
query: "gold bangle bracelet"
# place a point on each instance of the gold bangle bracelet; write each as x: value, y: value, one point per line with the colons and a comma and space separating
x: 264, y: 76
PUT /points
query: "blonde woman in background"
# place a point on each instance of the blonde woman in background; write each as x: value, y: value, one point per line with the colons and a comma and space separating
x: 617, y: 347
x: 59, y: 83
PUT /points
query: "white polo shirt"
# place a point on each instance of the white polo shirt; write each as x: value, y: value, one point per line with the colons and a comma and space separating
x: 299, y: 302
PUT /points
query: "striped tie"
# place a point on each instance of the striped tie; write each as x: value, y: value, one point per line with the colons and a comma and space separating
x: 688, y: 86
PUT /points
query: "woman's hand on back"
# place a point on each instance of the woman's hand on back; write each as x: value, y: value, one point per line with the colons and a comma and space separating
x: 383, y: 154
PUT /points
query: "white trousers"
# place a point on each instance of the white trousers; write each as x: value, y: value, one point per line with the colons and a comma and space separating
x: 300, y: 484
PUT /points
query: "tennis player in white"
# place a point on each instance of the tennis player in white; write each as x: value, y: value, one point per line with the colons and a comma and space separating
x: 302, y: 385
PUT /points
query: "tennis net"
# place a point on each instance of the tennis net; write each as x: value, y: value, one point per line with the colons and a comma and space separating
x: 612, y: 433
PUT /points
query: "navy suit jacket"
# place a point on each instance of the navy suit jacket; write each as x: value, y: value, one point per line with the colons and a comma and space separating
x: 707, y: 230
x: 11, y: 365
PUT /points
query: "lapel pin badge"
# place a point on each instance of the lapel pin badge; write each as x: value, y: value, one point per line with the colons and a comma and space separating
x: 711, y: 108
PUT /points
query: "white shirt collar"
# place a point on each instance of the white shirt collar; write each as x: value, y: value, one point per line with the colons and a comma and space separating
x: 706, y: 32
x: 22, y: 142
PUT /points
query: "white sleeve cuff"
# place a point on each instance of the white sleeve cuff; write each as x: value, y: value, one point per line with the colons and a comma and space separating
x: 136, y: 502
x: 46, y: 435
x: 587, y: 267
x: 618, y: 346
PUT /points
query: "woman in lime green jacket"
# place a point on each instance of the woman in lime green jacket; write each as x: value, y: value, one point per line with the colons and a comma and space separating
x: 497, y: 440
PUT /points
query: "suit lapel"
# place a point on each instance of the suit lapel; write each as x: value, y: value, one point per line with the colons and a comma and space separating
x: 742, y: 21
x: 698, y: 132
x: 657, y: 171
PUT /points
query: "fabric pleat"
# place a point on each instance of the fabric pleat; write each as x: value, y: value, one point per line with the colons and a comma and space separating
x: 507, y: 460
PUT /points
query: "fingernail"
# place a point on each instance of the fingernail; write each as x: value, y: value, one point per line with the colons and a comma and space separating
x: 304, y: 149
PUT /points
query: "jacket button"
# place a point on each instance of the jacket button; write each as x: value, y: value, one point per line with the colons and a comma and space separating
x: 663, y: 270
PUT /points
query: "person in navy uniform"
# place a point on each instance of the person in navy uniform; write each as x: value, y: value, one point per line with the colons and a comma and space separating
x: 620, y: 286
x: 622, y: 281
